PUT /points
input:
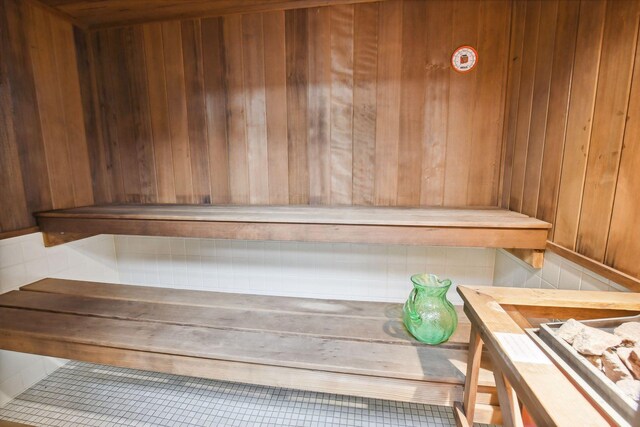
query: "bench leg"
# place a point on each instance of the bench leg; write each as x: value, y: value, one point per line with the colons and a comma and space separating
x: 511, y: 415
x: 473, y: 371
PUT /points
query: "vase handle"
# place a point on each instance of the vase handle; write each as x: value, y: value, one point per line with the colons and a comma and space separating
x: 411, y: 308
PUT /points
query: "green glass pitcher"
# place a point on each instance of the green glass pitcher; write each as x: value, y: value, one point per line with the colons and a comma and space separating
x: 428, y: 314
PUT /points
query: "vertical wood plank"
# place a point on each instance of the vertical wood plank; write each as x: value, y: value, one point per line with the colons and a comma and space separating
x: 388, y: 103
x: 319, y: 104
x: 578, y: 134
x: 159, y: 111
x: 236, y: 131
x: 412, y: 102
x: 215, y: 102
x: 563, y: 59
x: 296, y: 38
x: 102, y: 51
x: 516, y: 46
x: 609, y: 119
x: 196, y: 113
x: 365, y: 64
x: 540, y: 105
x: 69, y: 86
x: 623, y: 251
x: 341, y: 161
x: 436, y: 109
x: 96, y: 149
x: 14, y: 215
x: 255, y: 107
x: 121, y: 41
x: 177, y: 104
x: 26, y: 121
x: 525, y: 102
x: 460, y: 123
x: 275, y: 77
x: 136, y: 95
x: 50, y: 101
x: 484, y: 173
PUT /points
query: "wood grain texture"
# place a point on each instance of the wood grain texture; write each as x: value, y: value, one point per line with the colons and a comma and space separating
x: 327, y: 342
x: 581, y: 124
x: 339, y: 105
x: 609, y: 122
x: 45, y: 154
x: 460, y: 122
x: 423, y: 226
x: 92, y: 14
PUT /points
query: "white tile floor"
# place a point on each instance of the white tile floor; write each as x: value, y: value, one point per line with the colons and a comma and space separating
x: 83, y: 394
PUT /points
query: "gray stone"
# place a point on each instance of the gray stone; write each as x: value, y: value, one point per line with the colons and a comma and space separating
x: 629, y: 331
x: 569, y: 330
x: 594, y: 341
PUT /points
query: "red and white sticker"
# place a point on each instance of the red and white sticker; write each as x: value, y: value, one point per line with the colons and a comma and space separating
x: 464, y: 59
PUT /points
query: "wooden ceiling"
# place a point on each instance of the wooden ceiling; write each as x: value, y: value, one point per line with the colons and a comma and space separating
x: 94, y: 14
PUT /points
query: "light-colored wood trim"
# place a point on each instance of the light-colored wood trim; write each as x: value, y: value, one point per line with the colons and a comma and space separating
x: 471, y: 378
x: 629, y: 282
x: 561, y: 298
x: 459, y: 415
x: 533, y: 257
x: 62, y: 237
x: 511, y: 416
x: 16, y: 233
x: 549, y: 396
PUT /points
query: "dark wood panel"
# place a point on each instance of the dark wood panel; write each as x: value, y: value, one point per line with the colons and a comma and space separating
x: 45, y: 157
x: 109, y: 13
x: 348, y: 104
x: 577, y: 162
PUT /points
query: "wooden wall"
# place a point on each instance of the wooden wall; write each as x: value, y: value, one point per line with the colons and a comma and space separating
x: 43, y: 148
x: 573, y: 125
x: 348, y: 104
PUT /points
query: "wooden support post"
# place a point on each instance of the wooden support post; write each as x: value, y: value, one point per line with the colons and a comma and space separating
x: 511, y: 416
x: 55, y: 238
x: 473, y: 370
x: 533, y: 257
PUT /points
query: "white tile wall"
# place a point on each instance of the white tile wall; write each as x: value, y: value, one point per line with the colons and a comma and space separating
x: 320, y: 270
x: 557, y: 273
x: 23, y: 260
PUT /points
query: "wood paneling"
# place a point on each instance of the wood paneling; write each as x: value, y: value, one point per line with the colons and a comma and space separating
x: 576, y: 137
x: 339, y: 105
x: 44, y: 161
x: 92, y: 14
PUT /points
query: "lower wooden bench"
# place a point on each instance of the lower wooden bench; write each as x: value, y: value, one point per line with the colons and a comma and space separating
x: 343, y: 347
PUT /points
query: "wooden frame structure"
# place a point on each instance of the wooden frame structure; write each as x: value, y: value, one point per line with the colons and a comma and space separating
x: 498, y: 317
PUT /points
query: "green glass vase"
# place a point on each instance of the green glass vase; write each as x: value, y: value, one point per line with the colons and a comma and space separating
x: 428, y: 314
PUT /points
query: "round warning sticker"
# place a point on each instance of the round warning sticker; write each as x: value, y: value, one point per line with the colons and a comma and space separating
x: 464, y: 59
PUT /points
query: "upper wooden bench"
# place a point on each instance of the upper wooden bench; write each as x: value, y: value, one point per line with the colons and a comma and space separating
x: 345, y: 347
x: 483, y: 227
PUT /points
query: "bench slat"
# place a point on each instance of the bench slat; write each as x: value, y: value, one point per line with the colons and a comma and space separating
x: 192, y: 298
x: 387, y: 360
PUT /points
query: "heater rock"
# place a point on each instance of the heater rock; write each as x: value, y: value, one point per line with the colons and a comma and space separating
x: 631, y: 358
x: 614, y: 368
x: 569, y: 330
x: 595, y: 361
x: 594, y: 341
x: 631, y: 388
x: 629, y: 332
